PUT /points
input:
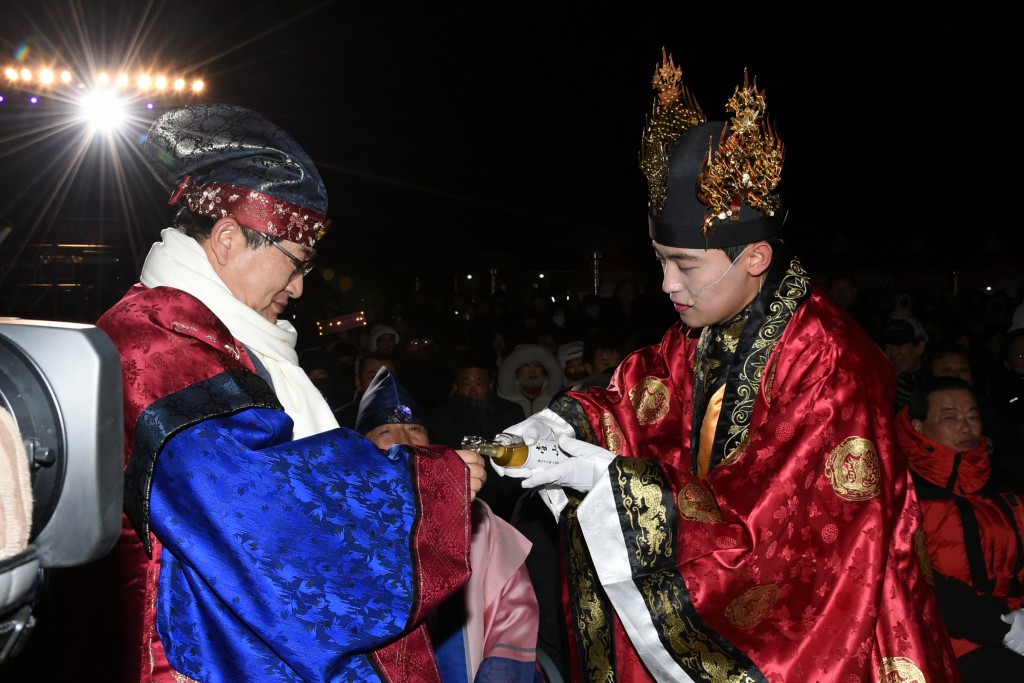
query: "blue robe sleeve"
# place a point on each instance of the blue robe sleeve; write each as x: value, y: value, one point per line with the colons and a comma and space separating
x: 282, y: 560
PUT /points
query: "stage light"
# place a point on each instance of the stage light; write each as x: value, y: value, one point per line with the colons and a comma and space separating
x: 179, y: 84
x: 33, y: 100
x: 102, y: 110
x: 26, y: 75
x: 149, y: 105
x: 197, y: 86
x: 12, y: 74
x: 65, y: 76
x: 103, y: 79
x: 144, y: 81
x: 122, y: 81
x: 161, y: 82
x: 46, y: 76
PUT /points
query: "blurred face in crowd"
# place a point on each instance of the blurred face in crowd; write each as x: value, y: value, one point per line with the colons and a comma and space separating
x: 531, y: 375
x: 906, y: 357
x: 473, y: 383
x: 370, y: 369
x: 952, y: 364
x: 953, y: 419
x: 707, y: 288
x: 604, y: 360
x: 386, y: 343
x: 387, y: 435
x: 575, y: 369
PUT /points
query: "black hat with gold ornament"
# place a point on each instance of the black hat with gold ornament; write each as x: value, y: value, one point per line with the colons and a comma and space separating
x: 711, y: 184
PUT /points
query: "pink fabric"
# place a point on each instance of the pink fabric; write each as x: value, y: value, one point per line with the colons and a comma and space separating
x: 503, y: 615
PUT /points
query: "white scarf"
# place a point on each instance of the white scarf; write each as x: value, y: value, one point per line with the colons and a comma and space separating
x: 180, y: 262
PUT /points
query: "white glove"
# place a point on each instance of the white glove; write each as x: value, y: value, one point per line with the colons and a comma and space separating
x: 1014, y: 638
x: 587, y: 463
x: 543, y: 425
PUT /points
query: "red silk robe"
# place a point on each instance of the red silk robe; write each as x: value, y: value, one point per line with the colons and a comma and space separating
x: 797, y: 557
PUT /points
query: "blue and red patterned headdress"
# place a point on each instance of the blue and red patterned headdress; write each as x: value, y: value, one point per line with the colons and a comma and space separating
x: 225, y: 160
x: 387, y: 402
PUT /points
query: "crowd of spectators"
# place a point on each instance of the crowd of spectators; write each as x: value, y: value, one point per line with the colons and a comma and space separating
x: 429, y: 332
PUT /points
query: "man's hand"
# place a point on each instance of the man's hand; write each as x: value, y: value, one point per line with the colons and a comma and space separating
x: 1014, y: 638
x: 477, y: 472
x: 586, y: 464
x: 546, y: 425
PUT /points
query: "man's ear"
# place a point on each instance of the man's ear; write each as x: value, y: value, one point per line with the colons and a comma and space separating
x: 760, y: 258
x: 226, y: 238
x: 917, y: 425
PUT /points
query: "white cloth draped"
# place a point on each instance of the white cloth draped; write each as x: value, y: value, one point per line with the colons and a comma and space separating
x: 180, y: 262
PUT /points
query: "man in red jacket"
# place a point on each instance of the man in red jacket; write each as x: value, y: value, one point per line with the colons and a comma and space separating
x: 974, y: 531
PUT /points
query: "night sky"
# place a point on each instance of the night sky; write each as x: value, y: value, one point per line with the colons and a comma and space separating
x: 508, y: 133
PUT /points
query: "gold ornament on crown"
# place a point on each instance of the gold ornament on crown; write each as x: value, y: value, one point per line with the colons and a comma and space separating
x: 675, y: 112
x: 748, y: 164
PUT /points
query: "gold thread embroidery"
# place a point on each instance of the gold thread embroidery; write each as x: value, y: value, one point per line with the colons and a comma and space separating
x: 739, y: 451
x: 750, y: 609
x: 612, y: 433
x: 791, y: 291
x: 589, y: 610
x: 853, y: 469
x: 645, y: 511
x: 698, y: 505
x: 664, y: 591
x: 650, y: 399
x: 899, y: 670
x: 921, y: 550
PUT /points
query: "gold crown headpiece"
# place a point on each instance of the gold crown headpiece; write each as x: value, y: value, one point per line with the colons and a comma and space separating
x: 748, y: 165
x: 675, y: 112
x: 745, y: 168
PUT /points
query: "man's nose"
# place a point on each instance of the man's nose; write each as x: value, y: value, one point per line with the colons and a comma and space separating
x: 669, y: 282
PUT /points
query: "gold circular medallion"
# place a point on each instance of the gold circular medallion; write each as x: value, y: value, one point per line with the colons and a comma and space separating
x: 899, y: 670
x: 650, y: 400
x: 853, y: 469
x: 752, y: 607
x: 697, y: 504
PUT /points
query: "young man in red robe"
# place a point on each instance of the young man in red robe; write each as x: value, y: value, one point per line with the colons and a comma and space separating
x: 734, y: 508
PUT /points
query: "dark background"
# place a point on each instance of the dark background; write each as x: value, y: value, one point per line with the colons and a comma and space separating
x: 456, y: 139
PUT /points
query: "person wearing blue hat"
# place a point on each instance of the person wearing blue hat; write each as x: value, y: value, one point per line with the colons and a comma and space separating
x: 488, y: 632
x: 735, y: 509
x: 261, y: 541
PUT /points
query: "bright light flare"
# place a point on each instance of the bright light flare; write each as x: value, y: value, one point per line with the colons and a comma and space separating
x: 103, y: 110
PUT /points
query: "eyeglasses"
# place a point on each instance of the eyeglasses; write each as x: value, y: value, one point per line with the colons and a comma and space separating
x: 302, y: 267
